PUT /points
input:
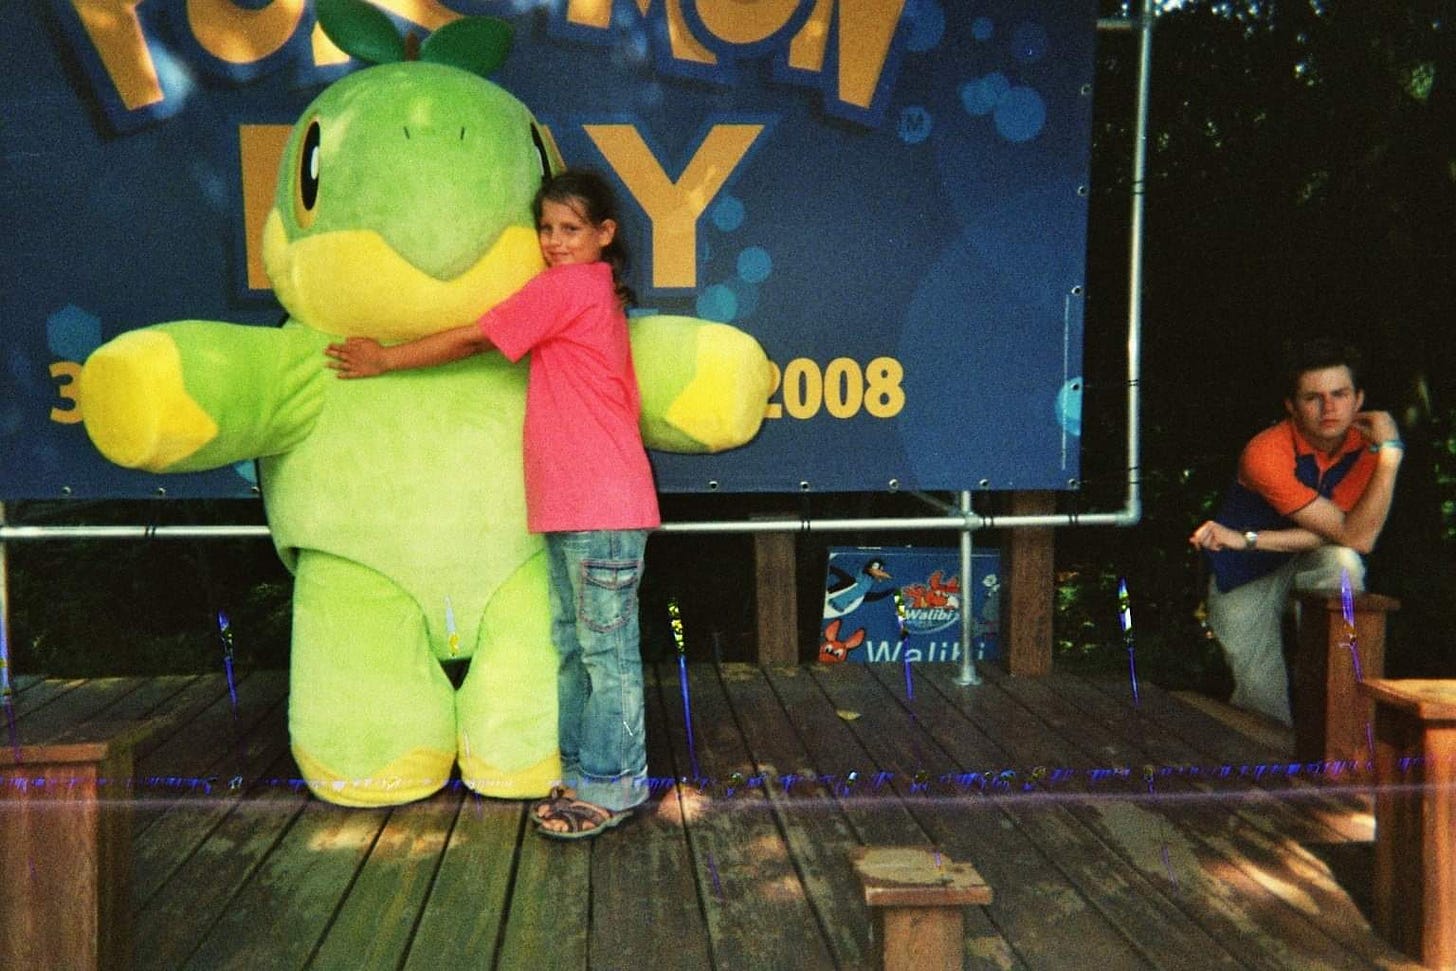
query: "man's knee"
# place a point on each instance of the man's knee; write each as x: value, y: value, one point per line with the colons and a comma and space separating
x: 1324, y: 569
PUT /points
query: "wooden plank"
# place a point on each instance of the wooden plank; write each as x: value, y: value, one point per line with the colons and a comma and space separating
x: 202, y: 887
x: 1331, y: 719
x: 820, y: 839
x: 184, y: 789
x: 1250, y: 845
x: 64, y: 862
x: 1415, y: 851
x: 377, y: 918
x: 756, y: 906
x: 985, y: 730
x: 1162, y: 719
x: 775, y: 598
x: 65, y: 859
x: 874, y: 811
x: 550, y: 904
x: 279, y: 914
x: 76, y: 706
x: 643, y: 875
x: 42, y: 693
x: 1028, y: 555
x: 1026, y: 882
x: 471, y: 895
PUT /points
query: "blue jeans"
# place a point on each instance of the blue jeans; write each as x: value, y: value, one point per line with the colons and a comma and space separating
x: 594, y: 578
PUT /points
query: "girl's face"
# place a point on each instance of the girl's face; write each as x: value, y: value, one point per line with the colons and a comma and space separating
x: 567, y: 236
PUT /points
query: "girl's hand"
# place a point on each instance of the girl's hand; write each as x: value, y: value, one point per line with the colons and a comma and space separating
x: 358, y: 357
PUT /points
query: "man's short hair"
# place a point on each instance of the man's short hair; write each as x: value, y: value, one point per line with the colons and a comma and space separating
x: 1316, y: 354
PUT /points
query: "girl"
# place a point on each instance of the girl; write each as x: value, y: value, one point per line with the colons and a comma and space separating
x: 589, y: 487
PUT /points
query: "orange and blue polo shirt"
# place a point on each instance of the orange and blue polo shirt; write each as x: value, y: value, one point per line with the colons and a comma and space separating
x: 1279, y: 474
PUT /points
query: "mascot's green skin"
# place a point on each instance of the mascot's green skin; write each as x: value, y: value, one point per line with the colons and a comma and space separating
x: 403, y: 207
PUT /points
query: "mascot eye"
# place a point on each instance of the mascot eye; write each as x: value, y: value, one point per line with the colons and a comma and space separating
x: 541, y: 154
x: 308, y: 176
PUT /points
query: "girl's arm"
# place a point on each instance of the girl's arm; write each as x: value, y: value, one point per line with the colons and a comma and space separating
x: 364, y: 357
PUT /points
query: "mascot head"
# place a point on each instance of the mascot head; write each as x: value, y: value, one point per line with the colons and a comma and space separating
x: 403, y: 198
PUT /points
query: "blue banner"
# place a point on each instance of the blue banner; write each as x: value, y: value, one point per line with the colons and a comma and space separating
x: 890, y: 195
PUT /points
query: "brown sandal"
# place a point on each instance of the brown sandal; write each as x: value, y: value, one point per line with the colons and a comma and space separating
x: 583, y: 819
x: 541, y: 808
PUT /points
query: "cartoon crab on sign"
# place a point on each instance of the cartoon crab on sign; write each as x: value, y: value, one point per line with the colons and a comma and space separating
x: 403, y: 208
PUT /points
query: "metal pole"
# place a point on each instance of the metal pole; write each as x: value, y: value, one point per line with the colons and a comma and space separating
x: 5, y: 688
x: 968, y: 675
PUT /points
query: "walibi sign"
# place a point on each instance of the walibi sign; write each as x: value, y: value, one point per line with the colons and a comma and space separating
x: 889, y: 194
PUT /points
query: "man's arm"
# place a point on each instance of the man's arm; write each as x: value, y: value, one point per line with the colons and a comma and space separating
x: 1360, y: 527
x: 364, y: 357
x: 1214, y: 536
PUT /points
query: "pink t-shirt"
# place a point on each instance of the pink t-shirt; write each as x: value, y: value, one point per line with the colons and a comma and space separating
x: 585, y: 464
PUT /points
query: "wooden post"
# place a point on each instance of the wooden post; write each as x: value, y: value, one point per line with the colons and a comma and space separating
x: 1026, y: 602
x: 1332, y: 720
x: 776, y: 598
x: 1414, y: 898
x: 65, y: 854
x: 919, y: 895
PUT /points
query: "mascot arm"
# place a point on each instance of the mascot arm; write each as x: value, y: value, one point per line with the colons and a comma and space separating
x: 193, y: 395
x: 704, y: 385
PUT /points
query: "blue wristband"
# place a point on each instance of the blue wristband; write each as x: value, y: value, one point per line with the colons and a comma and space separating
x: 1388, y: 443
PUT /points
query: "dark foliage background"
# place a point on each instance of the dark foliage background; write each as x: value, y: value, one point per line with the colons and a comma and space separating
x: 1302, y: 178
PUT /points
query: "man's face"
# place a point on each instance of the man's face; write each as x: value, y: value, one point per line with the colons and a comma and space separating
x: 1324, y: 405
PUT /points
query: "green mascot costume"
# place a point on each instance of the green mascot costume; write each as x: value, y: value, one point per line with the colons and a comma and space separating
x: 403, y: 208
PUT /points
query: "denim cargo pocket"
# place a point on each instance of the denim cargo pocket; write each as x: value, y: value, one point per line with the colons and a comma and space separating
x: 608, y: 594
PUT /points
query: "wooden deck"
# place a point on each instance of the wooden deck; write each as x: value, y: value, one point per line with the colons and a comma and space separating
x: 1113, y: 835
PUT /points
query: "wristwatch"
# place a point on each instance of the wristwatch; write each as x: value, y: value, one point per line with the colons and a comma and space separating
x: 1251, y: 539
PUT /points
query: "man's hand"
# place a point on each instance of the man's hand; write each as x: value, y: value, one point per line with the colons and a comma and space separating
x: 1377, y: 426
x: 358, y: 357
x: 1214, y: 536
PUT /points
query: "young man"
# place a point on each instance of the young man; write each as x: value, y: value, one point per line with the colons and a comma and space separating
x: 1311, y: 496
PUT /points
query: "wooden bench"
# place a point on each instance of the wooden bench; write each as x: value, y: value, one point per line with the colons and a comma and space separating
x: 1415, y: 817
x: 918, y: 894
x: 65, y: 845
x: 1332, y: 720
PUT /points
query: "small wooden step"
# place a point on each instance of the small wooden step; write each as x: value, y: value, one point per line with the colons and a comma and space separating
x: 918, y: 893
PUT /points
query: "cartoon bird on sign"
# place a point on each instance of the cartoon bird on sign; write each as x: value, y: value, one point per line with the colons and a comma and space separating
x: 847, y: 591
x: 403, y: 208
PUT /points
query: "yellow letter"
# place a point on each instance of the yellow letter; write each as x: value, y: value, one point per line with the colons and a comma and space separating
x: 260, y: 148
x: 113, y: 27
x: 674, y: 207
x: 684, y: 47
x: 866, y: 29
x: 745, y: 23
x: 427, y: 13
x: 241, y: 36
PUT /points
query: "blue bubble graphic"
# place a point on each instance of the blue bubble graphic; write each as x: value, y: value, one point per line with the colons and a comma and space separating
x: 745, y: 296
x: 755, y: 264
x: 1029, y: 42
x: 1020, y: 114
x: 72, y: 333
x: 718, y: 303
x: 915, y: 125
x: 728, y: 214
x: 1069, y: 406
x: 927, y: 25
x: 981, y: 96
x: 982, y: 28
